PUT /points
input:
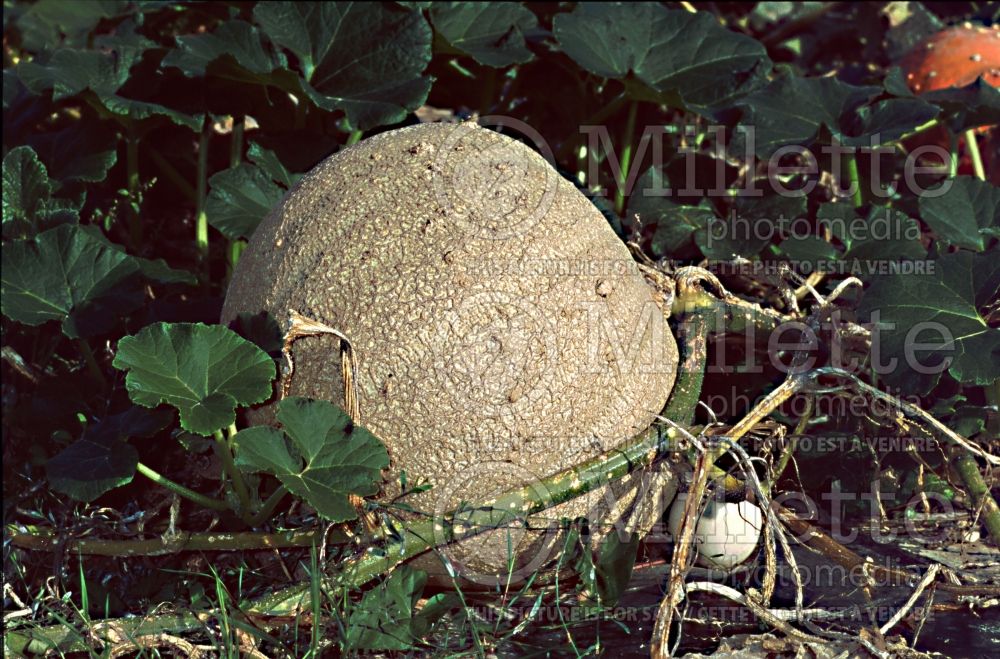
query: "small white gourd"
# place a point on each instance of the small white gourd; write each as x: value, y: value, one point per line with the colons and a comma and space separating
x: 727, y: 533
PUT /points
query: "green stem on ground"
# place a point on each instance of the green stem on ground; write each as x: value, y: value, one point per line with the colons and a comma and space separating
x: 857, y: 196
x: 187, y: 493
x: 224, y: 450
x: 980, y: 492
x: 132, y: 184
x: 92, y: 365
x: 626, y: 160
x: 354, y: 137
x: 182, y: 541
x: 972, y: 145
x: 39, y: 641
x: 200, y: 216
x: 389, y: 549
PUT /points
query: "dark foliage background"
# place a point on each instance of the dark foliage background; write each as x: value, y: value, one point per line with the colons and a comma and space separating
x: 143, y: 142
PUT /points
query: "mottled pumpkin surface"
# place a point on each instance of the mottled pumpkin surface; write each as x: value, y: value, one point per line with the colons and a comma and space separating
x: 501, y: 329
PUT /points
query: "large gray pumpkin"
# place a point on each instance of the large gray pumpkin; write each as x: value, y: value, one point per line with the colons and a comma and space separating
x: 501, y: 329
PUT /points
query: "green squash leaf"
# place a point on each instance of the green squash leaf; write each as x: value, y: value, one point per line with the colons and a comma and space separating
x: 884, y: 121
x: 28, y: 204
x: 975, y: 105
x: 238, y: 39
x: 791, y: 110
x: 83, y: 152
x: 365, y: 59
x: 751, y: 226
x: 13, y: 89
x: 48, y: 22
x: 101, y: 460
x: 885, y: 234
x: 965, y: 213
x: 240, y: 198
x: 324, y: 458
x: 66, y: 274
x: 795, y: 110
x: 271, y: 165
x: 204, y: 371
x: 384, y: 618
x: 676, y: 224
x: 948, y: 300
x: 91, y: 466
x: 687, y: 58
x: 70, y: 72
x: 491, y: 33
x: 155, y: 270
x: 26, y: 185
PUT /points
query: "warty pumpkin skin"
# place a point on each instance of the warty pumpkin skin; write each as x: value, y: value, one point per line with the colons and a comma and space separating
x: 501, y: 329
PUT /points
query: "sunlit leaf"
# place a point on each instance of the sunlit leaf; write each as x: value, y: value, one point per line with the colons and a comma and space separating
x: 204, y: 371
x: 319, y: 455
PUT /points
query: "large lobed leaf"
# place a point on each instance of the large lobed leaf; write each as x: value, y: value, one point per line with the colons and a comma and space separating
x: 791, y: 110
x: 102, y: 460
x: 28, y: 202
x: 241, y: 197
x: 491, y: 33
x: 66, y: 274
x: 238, y: 39
x: 26, y: 185
x: 794, y: 110
x: 204, y: 371
x: 366, y: 59
x: 70, y: 72
x: 965, y: 214
x: 70, y: 273
x: 946, y: 300
x: 320, y: 455
x: 688, y: 58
